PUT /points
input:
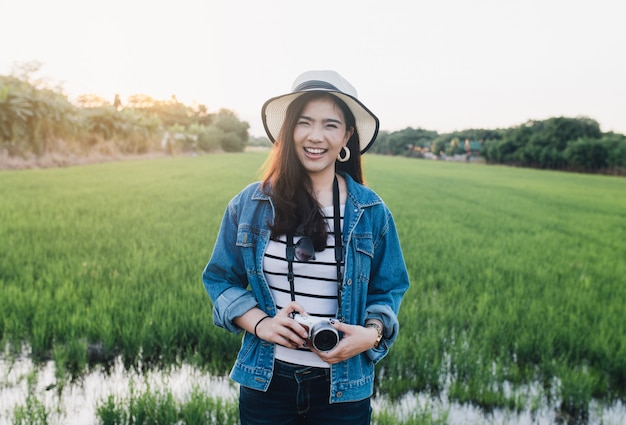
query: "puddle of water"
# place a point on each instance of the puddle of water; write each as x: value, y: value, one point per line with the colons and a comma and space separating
x: 78, y: 402
x: 469, y: 415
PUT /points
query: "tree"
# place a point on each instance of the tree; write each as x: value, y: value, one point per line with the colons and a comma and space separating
x: 140, y: 101
x: 402, y: 142
x: 91, y: 101
x: 117, y: 102
x: 540, y: 143
x: 15, y: 108
x: 235, y: 131
x: 616, y: 151
x: 381, y: 145
x: 33, y: 119
x: 438, y: 146
x: 587, y: 154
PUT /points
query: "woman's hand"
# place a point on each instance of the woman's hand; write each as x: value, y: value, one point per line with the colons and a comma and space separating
x: 282, y: 329
x: 355, y: 340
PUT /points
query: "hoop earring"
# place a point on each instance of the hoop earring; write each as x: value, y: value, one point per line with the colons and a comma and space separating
x: 346, y: 154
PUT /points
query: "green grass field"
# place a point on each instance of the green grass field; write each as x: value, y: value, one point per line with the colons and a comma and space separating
x: 518, y: 276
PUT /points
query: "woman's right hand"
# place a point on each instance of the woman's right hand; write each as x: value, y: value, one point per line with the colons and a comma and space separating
x: 282, y: 329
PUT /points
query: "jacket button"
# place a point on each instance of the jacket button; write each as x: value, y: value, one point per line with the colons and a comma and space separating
x: 349, y: 282
x: 339, y: 394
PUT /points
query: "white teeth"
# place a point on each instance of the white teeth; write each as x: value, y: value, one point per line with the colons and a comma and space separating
x: 315, y: 150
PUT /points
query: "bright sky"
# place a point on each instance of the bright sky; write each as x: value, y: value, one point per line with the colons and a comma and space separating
x: 441, y: 65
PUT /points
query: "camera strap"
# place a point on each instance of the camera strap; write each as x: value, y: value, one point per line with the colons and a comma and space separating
x: 338, y: 250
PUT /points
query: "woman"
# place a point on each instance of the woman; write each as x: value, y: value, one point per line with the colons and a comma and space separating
x: 309, y: 247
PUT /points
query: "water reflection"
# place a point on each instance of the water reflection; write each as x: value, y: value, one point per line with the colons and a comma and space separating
x: 458, y: 414
x: 77, y: 402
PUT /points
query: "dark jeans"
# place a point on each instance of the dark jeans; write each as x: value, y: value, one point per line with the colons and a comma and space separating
x: 299, y: 395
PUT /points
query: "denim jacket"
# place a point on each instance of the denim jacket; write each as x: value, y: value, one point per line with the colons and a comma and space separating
x: 375, y: 280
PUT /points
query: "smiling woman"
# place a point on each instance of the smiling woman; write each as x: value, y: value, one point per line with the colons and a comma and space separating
x: 321, y: 133
x: 353, y: 283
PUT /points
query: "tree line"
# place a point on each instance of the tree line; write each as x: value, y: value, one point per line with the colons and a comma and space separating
x: 37, y: 118
x: 559, y: 143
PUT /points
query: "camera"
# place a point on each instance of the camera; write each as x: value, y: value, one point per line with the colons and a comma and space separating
x: 322, y: 334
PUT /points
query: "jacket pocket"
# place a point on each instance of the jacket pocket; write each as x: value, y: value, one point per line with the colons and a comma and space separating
x: 246, y: 236
x: 364, y: 245
x: 247, y: 241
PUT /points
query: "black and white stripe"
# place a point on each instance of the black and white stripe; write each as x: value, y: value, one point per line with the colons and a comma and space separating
x: 315, y: 284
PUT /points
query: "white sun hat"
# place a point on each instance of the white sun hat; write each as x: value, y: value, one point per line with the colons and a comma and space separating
x: 274, y: 110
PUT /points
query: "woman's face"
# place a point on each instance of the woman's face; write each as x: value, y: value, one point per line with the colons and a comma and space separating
x: 319, y: 135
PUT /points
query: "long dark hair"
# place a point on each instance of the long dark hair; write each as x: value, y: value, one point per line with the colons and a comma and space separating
x: 289, y: 184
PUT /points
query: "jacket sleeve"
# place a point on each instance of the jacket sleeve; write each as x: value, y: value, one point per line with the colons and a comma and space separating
x: 224, y: 276
x: 388, y: 282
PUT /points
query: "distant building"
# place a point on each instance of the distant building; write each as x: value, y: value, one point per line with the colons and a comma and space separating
x: 472, y: 147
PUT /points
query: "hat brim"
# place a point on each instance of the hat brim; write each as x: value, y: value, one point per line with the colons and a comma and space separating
x: 274, y: 111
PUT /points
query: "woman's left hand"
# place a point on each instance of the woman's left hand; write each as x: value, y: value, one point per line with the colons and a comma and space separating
x: 355, y: 340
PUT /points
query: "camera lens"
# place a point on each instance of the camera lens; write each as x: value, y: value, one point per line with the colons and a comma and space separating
x: 324, y: 337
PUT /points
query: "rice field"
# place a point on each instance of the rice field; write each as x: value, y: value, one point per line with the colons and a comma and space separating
x: 518, y: 279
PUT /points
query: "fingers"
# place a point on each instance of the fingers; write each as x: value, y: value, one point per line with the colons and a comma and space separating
x: 282, y: 329
x: 279, y: 331
x: 290, y: 308
x: 290, y: 333
x: 355, y: 340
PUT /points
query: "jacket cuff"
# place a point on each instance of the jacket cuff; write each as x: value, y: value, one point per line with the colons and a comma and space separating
x: 390, y: 330
x: 232, y: 303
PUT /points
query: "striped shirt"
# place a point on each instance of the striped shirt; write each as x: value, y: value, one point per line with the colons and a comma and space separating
x: 315, y: 285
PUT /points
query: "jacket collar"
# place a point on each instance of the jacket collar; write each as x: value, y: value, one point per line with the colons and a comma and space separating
x: 258, y: 194
x: 361, y: 196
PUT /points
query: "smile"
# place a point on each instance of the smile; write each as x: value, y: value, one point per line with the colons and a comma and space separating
x: 315, y: 151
